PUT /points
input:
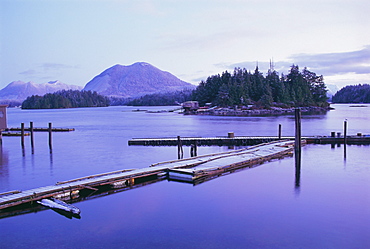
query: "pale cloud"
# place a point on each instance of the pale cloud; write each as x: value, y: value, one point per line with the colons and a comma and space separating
x: 29, y: 72
x: 56, y: 66
x: 327, y: 64
x: 47, y: 71
x: 357, y: 62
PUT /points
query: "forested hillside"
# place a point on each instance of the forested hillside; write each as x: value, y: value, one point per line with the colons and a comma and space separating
x: 298, y: 88
x: 162, y: 99
x: 353, y: 94
x: 65, y: 99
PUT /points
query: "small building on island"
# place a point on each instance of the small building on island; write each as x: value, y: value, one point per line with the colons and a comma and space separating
x: 190, y: 107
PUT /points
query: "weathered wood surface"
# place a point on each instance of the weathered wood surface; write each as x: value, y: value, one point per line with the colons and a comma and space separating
x: 255, y: 155
x: 223, y: 160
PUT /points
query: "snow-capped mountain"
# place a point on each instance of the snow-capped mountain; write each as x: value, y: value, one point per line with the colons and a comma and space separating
x: 18, y: 90
x: 135, y: 80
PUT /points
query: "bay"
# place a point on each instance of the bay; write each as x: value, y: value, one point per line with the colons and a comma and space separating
x: 261, y: 207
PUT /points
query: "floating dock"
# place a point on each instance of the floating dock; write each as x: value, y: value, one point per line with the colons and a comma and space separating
x: 207, y: 141
x: 244, y: 140
x: 38, y: 129
x: 196, y: 167
x: 224, y: 163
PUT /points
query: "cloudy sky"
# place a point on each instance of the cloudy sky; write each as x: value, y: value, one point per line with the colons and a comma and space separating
x: 74, y: 40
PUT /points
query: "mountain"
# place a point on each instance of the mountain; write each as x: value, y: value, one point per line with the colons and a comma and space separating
x: 332, y: 89
x: 135, y: 80
x: 17, y: 91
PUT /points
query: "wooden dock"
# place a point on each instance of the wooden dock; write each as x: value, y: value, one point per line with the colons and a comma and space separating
x: 244, y: 140
x: 241, y: 158
x: 207, y: 141
x: 200, y: 166
x: 41, y: 129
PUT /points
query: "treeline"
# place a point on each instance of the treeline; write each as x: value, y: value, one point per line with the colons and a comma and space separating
x: 11, y: 103
x: 353, y: 94
x: 298, y: 88
x: 162, y: 99
x: 65, y: 99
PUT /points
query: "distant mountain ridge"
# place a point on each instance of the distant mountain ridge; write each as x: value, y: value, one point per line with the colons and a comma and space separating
x: 135, y: 80
x: 17, y: 91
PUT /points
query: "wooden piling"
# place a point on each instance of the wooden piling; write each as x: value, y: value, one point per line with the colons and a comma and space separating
x: 279, y: 131
x: 193, y: 149
x: 345, y: 132
x: 31, y: 133
x: 50, y: 138
x: 297, y: 116
x: 22, y: 135
x: 180, y: 152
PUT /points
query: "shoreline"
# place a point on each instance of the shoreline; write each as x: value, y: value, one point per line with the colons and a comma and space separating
x: 258, y: 112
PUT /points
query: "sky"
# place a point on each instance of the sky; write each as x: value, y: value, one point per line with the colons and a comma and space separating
x: 74, y: 40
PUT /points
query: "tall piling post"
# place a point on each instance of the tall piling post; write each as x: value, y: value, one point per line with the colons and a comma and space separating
x: 22, y: 135
x: 297, y: 148
x: 279, y: 132
x: 50, y: 138
x: 345, y: 139
x: 297, y: 144
x: 345, y: 132
x: 32, y: 138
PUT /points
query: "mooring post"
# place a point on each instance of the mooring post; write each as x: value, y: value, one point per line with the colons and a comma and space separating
x: 193, y: 149
x: 279, y: 131
x: 31, y: 133
x: 22, y: 135
x: 180, y: 152
x: 297, y: 145
x: 345, y: 132
x: 50, y: 139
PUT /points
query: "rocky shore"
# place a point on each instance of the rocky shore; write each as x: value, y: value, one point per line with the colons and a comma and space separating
x: 258, y: 112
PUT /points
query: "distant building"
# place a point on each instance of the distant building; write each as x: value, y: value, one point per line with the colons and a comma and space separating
x: 190, y: 106
x: 3, y: 122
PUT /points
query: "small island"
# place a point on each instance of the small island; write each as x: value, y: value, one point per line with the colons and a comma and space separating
x: 250, y: 93
x: 66, y: 99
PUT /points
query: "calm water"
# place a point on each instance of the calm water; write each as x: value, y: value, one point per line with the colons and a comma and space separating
x: 255, y: 208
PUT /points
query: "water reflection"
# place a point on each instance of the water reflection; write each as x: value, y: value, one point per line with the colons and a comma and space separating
x: 4, y: 162
x: 51, y: 163
x: 298, y: 159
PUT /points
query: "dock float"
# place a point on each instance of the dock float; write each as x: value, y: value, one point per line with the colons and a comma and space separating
x: 207, y: 141
x: 40, y: 129
x: 195, y: 167
x: 244, y: 140
x: 242, y: 158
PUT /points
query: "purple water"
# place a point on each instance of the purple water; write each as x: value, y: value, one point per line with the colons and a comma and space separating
x: 259, y: 207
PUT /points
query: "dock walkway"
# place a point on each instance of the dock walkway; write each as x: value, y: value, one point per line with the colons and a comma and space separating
x: 196, y: 166
x: 245, y: 140
x: 207, y: 141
